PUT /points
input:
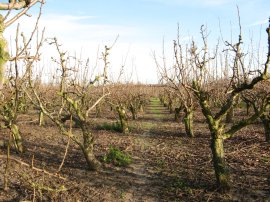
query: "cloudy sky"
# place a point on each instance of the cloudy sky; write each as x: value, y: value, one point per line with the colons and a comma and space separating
x: 84, y: 26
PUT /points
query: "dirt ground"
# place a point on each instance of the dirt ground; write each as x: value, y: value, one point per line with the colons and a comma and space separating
x: 166, y: 164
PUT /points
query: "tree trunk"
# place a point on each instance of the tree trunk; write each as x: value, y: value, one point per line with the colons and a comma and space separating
x: 92, y: 162
x: 170, y: 107
x: 221, y: 171
x: 88, y: 149
x: 133, y: 111
x: 177, y: 113
x: 18, y: 143
x: 123, y: 119
x: 266, y: 124
x: 188, y: 121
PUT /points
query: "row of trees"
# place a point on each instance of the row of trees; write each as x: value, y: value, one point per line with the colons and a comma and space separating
x: 73, y: 98
x: 190, y: 79
x: 189, y: 84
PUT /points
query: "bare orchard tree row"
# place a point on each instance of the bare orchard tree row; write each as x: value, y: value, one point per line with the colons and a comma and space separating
x: 191, y: 81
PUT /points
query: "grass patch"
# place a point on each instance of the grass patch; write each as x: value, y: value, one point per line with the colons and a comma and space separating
x: 156, y: 108
x: 117, y: 157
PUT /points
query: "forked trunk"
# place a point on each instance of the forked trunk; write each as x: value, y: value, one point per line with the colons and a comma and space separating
x: 188, y: 121
x: 221, y: 171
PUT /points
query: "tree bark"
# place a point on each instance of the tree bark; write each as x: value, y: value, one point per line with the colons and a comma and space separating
x: 123, y: 119
x: 88, y: 149
x: 266, y: 124
x: 177, y: 113
x: 133, y: 111
x: 170, y: 106
x: 221, y: 171
x: 18, y: 143
x: 188, y: 121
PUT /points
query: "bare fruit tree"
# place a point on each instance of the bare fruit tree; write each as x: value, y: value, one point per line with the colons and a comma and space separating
x: 6, y: 21
x: 73, y: 101
x: 242, y: 80
x: 13, y: 99
x: 191, y: 79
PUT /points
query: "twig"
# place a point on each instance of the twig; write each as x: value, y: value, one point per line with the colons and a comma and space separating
x: 67, y: 146
x: 33, y: 167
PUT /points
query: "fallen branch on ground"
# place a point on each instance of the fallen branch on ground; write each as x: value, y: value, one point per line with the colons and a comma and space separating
x: 33, y: 167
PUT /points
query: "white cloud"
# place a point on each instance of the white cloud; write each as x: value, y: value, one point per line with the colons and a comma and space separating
x: 194, y: 2
x: 80, y: 35
x: 261, y: 22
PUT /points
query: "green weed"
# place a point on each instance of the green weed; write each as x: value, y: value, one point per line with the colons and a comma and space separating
x: 117, y: 157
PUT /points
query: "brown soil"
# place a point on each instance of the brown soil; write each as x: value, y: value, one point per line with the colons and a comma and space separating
x: 166, y: 166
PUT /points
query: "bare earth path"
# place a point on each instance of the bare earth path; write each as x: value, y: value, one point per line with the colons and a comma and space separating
x: 147, y: 185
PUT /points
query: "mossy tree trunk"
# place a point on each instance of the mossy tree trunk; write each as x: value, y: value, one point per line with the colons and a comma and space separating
x: 266, y: 124
x: 9, y: 114
x: 88, y: 148
x: 221, y: 171
x: 177, y: 113
x: 123, y: 119
x: 170, y: 106
x: 217, y: 138
x: 133, y: 111
x: 18, y: 142
x: 218, y: 156
x: 188, y: 121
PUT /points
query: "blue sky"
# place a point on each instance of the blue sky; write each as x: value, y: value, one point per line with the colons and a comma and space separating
x: 85, y: 25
